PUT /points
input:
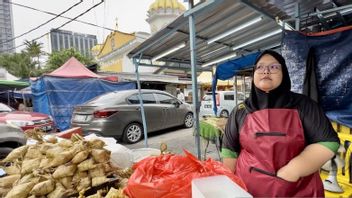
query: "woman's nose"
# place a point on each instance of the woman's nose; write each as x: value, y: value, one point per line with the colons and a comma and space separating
x: 266, y: 70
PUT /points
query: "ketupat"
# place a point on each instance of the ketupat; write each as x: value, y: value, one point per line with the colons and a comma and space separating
x: 20, y: 191
x: 98, y: 171
x: 16, y: 154
x: 81, y: 156
x: 64, y: 171
x: 78, y: 177
x: 53, y: 151
x: 96, y: 181
x: 114, y: 193
x: 44, y: 162
x: 25, y: 179
x: 43, y: 188
x: 13, y: 169
x: 61, y: 158
x: 75, y: 137
x: 29, y: 165
x: 33, y: 152
x: 86, y: 165
x: 44, y: 147
x: 8, y: 181
x: 4, y: 191
x: 67, y: 182
x: 100, y: 155
x: 65, y: 143
x: 83, y: 184
x: 96, y: 144
x: 59, y: 191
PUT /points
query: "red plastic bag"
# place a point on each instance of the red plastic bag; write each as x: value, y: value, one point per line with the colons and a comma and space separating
x: 170, y: 176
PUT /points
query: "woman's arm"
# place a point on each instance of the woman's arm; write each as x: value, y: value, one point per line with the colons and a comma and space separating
x: 230, y: 163
x: 309, y: 161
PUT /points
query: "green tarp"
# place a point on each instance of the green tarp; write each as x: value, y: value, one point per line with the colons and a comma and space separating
x: 11, y: 85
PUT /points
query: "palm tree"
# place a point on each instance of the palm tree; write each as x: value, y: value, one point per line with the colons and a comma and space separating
x: 34, y: 50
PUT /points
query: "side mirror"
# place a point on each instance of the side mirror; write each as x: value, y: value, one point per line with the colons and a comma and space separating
x: 176, y: 103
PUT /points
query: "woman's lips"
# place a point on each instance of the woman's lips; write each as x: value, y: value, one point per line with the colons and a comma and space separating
x: 266, y: 78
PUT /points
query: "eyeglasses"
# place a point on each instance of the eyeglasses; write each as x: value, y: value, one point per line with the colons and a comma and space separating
x: 273, y: 69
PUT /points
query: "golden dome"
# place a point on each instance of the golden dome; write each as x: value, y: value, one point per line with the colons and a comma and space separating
x: 163, y: 4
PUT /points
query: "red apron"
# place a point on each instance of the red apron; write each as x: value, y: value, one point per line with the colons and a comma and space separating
x: 270, y: 138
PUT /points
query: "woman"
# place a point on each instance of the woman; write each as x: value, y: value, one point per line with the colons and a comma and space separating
x: 277, y: 140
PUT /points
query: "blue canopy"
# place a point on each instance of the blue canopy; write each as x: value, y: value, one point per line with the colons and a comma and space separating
x: 58, y: 96
x: 229, y: 69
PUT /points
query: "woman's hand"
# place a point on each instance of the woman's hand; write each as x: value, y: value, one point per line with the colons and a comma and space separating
x: 307, y: 162
x: 288, y: 175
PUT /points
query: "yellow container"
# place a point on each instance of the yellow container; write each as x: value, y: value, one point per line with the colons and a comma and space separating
x: 343, y: 178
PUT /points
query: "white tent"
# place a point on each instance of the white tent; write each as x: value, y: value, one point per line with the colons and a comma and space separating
x: 5, y: 75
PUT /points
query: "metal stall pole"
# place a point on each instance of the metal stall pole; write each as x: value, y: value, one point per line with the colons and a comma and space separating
x: 297, y: 17
x: 192, y: 46
x: 145, y: 130
x: 8, y: 98
x: 244, y: 87
x: 236, y: 92
x: 244, y: 84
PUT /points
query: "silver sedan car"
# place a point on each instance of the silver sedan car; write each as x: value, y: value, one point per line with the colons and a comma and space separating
x: 118, y: 114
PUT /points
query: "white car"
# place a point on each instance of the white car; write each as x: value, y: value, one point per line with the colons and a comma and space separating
x: 225, y: 102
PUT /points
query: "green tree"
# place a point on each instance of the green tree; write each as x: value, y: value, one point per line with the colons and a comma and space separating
x: 34, y: 50
x: 18, y: 64
x: 58, y: 58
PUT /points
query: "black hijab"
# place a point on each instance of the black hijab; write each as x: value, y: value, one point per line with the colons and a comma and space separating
x: 277, y: 98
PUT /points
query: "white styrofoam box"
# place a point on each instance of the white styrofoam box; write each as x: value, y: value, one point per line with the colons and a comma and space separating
x: 216, y: 187
x: 121, y: 156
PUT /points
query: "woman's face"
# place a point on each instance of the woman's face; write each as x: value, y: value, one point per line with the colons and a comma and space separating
x: 267, y: 74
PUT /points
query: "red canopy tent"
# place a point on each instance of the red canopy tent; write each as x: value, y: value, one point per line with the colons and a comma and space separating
x: 75, y: 69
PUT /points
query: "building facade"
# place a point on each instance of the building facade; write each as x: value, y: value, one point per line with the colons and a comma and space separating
x: 6, y: 27
x: 63, y: 39
x: 112, y: 54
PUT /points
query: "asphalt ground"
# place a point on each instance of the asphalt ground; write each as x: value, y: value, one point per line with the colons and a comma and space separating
x: 177, y: 139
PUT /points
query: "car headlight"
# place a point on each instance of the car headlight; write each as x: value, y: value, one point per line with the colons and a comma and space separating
x: 19, y: 123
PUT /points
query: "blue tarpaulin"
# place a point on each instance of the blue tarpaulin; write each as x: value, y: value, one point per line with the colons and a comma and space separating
x: 58, y: 96
x: 229, y: 69
x: 333, y: 69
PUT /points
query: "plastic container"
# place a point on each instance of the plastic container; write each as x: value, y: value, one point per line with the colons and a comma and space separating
x: 216, y: 187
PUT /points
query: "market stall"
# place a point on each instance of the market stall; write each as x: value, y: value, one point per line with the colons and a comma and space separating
x: 60, y: 91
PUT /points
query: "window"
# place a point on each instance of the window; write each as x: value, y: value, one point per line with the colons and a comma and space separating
x: 165, y: 99
x: 67, y: 45
x: 208, y: 97
x: 147, y: 99
x: 105, y: 99
x: 229, y: 97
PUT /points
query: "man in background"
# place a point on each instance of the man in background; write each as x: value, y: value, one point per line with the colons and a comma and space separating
x: 180, y: 95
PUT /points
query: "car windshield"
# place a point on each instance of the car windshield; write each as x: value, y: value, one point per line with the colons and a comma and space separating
x: 5, y: 108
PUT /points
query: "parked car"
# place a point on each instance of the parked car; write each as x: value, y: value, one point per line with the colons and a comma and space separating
x: 118, y: 114
x: 11, y: 137
x: 225, y: 102
x: 26, y: 120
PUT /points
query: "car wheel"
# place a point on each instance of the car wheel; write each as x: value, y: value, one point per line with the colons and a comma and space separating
x: 4, y: 151
x: 188, y: 122
x: 224, y: 114
x: 132, y: 133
